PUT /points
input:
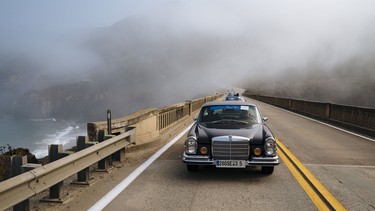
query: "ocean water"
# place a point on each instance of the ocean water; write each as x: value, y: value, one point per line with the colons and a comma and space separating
x: 37, y: 134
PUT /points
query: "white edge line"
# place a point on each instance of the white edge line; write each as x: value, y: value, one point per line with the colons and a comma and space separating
x: 323, y: 123
x: 345, y: 166
x: 103, y: 202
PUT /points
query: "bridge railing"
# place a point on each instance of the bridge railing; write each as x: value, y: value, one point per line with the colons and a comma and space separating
x: 155, y: 119
x: 171, y: 114
x: 357, y: 119
x: 145, y: 125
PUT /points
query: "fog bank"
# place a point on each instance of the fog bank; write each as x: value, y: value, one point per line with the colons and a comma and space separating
x: 180, y: 50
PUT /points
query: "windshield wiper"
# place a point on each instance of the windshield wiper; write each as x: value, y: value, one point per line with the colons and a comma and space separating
x: 229, y: 121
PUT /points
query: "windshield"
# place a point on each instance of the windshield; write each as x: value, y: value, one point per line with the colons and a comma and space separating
x: 233, y: 116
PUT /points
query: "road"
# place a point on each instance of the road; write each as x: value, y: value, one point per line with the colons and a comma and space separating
x: 343, y: 163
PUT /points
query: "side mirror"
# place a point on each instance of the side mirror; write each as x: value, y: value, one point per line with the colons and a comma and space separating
x: 265, y: 119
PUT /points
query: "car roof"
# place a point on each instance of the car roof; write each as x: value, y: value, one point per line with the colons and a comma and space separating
x: 229, y: 103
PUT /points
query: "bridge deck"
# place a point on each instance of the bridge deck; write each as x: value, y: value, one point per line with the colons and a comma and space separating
x: 344, y: 164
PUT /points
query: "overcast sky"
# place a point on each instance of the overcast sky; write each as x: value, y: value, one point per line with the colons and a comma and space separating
x: 222, y: 41
x: 67, y: 14
x: 46, y: 31
x: 252, y: 35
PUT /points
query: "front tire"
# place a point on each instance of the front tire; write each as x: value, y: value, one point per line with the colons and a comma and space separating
x: 267, y: 169
x: 192, y: 168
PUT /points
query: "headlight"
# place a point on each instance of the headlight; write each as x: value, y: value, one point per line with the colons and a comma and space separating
x: 270, y: 147
x: 191, y: 145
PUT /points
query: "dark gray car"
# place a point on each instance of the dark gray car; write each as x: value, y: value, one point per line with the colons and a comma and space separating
x: 230, y: 134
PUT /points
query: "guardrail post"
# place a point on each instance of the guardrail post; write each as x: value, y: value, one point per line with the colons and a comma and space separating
x: 109, y: 158
x: 55, y: 152
x: 120, y: 155
x: 103, y: 163
x: 16, y: 162
x: 83, y: 176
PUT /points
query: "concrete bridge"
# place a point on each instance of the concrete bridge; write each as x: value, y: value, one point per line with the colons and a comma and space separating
x: 134, y: 163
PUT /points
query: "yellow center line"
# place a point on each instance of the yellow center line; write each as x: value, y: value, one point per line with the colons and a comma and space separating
x: 321, y: 197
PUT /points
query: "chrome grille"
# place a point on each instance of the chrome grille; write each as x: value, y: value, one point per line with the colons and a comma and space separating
x: 230, y: 148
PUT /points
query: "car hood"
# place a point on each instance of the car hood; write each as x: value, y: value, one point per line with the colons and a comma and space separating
x: 204, y: 134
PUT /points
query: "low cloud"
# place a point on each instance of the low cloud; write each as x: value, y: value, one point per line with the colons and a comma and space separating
x: 179, y: 50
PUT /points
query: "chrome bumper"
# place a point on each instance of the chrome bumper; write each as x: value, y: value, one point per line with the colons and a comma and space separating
x: 254, y: 161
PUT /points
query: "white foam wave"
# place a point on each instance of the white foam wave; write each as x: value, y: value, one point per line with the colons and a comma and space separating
x: 56, y: 138
x: 66, y: 137
x: 42, y: 120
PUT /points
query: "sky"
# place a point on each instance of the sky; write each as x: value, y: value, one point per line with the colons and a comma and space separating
x: 48, y: 31
x: 221, y: 41
x: 67, y: 14
x: 342, y: 24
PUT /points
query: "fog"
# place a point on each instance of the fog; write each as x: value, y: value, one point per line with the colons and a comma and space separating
x: 168, y: 52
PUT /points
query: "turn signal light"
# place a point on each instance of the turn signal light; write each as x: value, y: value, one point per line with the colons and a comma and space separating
x: 257, y: 151
x: 204, y: 150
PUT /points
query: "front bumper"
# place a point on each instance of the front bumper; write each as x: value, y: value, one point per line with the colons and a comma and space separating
x: 254, y: 161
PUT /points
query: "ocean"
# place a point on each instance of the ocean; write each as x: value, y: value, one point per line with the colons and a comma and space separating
x: 37, y: 134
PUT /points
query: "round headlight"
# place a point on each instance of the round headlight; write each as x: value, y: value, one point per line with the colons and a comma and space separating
x: 270, y: 147
x: 191, y: 145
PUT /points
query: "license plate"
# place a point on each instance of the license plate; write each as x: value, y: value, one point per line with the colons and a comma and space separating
x: 230, y: 164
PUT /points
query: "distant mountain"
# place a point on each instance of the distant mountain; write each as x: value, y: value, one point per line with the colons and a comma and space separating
x: 15, y: 79
x: 140, y: 63
x: 69, y: 101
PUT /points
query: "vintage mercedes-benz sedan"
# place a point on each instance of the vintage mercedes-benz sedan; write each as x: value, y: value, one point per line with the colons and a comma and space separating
x: 230, y: 134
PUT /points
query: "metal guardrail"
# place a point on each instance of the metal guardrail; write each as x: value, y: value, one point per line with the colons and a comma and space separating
x: 26, y: 185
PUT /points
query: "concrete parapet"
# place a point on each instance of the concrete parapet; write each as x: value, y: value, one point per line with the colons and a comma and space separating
x: 357, y: 119
x: 119, y: 124
x: 149, y: 122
